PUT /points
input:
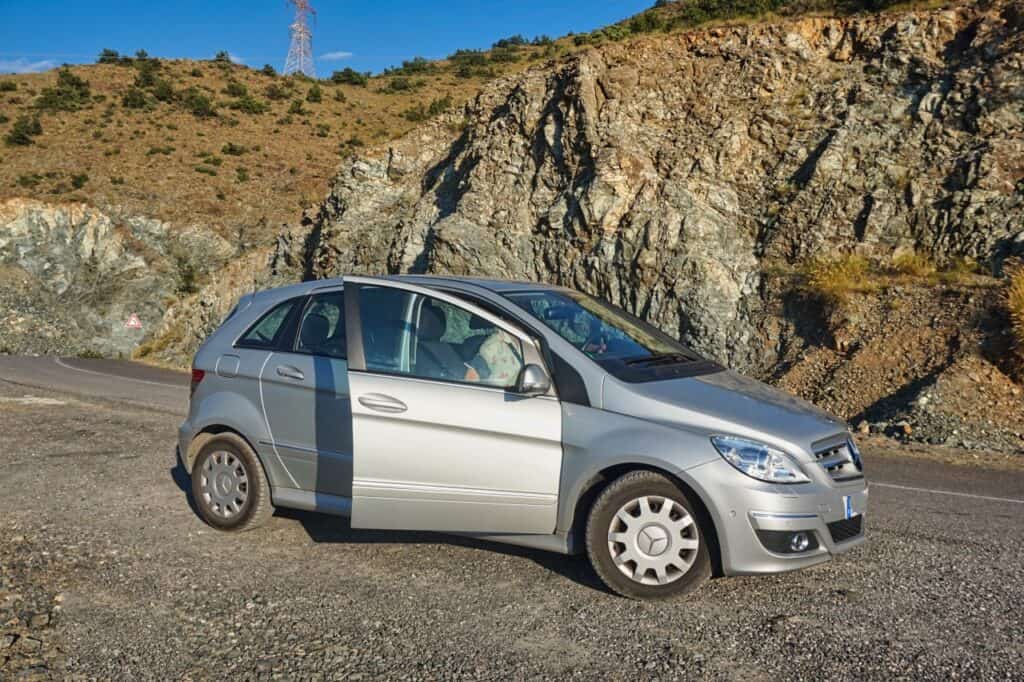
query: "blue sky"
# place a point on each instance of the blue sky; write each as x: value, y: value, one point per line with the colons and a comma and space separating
x: 368, y: 35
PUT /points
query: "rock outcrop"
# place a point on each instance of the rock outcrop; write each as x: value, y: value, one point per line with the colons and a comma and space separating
x: 71, y: 276
x: 668, y: 173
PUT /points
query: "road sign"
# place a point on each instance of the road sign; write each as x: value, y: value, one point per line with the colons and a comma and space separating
x: 133, y: 322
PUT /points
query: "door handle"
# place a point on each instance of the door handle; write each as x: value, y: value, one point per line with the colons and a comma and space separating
x: 382, y: 403
x: 290, y: 372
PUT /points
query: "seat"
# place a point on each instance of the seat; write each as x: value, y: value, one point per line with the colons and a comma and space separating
x: 435, y: 358
x: 315, y: 330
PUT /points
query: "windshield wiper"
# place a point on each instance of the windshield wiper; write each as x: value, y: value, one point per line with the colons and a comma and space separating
x: 660, y: 359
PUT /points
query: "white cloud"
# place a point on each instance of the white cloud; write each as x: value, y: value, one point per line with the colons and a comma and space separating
x: 22, y: 65
x: 335, y: 56
x: 235, y: 59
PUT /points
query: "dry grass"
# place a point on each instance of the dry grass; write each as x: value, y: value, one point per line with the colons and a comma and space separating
x: 835, y: 279
x: 913, y: 264
x: 143, y: 160
x: 1013, y: 299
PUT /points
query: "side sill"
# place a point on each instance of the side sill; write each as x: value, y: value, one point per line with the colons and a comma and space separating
x: 307, y: 500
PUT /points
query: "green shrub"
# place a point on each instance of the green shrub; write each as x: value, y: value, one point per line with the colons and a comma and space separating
x: 232, y: 149
x: 23, y: 130
x: 69, y: 94
x: 322, y: 130
x: 349, y: 76
x: 419, y: 112
x: 223, y: 57
x: 505, y: 55
x: 29, y: 180
x: 147, y: 71
x: 4, y: 119
x: 339, y: 96
x: 198, y: 104
x: 315, y: 94
x: 196, y: 72
x: 241, y: 174
x: 249, y: 105
x: 8, y: 86
x: 402, y: 84
x: 268, y: 70
x: 235, y: 89
x: 134, y: 98
x: 166, y: 151
x: 163, y: 91
x: 116, y: 180
x: 108, y: 56
x: 277, y: 92
x: 296, y: 108
x: 78, y: 181
x: 206, y: 170
x: 517, y: 40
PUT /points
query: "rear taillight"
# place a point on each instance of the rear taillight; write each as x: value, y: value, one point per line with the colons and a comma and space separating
x: 197, y: 376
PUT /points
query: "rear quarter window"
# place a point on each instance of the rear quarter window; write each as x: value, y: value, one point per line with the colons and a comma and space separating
x: 270, y: 330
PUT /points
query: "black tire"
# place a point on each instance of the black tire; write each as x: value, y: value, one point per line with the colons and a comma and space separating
x: 257, y: 507
x: 619, y: 493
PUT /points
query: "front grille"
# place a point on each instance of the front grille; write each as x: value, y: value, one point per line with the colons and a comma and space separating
x: 846, y: 529
x: 842, y: 461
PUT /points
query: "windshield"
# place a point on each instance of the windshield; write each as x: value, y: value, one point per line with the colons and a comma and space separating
x: 609, y: 336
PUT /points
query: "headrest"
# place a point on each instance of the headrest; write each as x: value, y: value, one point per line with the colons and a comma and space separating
x: 477, y: 323
x: 315, y: 329
x: 433, y: 324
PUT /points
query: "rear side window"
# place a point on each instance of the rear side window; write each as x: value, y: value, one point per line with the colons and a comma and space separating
x: 322, y: 331
x: 270, y: 330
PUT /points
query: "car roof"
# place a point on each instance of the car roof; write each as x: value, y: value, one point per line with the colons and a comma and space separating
x: 491, y: 284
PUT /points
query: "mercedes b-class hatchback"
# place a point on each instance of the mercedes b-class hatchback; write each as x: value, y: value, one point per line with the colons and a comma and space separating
x: 520, y: 413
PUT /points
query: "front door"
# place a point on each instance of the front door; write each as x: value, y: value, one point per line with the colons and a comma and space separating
x: 441, y: 440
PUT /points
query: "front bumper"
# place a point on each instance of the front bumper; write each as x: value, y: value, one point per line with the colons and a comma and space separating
x: 740, y: 506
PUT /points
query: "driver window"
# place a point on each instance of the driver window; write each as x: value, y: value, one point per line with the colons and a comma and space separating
x: 425, y: 337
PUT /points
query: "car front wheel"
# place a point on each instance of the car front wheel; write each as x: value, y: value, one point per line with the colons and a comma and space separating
x: 645, y: 540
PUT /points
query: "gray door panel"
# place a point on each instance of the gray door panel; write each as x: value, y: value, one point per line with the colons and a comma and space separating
x: 306, y: 399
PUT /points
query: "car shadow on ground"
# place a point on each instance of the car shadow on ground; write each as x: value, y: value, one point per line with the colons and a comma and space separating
x: 323, y: 528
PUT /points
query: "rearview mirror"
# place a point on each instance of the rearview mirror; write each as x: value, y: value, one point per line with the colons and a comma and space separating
x: 533, y: 380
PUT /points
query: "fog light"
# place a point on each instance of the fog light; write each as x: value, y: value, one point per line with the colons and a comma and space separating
x: 799, y: 542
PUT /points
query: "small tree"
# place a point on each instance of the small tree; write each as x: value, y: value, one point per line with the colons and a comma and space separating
x: 268, y: 70
x: 108, y: 56
x: 222, y: 57
x: 349, y: 76
x: 315, y: 94
x: 23, y: 130
x: 134, y: 98
x: 69, y: 94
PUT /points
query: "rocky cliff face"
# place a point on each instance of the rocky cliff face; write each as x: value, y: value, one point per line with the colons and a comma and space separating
x: 70, y: 276
x: 668, y: 174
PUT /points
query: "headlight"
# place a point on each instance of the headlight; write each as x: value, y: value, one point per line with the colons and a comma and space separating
x: 758, y: 460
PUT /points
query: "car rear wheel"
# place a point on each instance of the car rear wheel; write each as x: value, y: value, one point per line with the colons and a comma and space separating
x: 229, y: 485
x: 644, y: 538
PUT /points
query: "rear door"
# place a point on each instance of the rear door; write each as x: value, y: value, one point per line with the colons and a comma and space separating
x: 441, y: 440
x: 306, y: 398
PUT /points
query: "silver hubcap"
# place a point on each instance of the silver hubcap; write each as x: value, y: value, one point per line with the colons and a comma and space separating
x: 653, y: 540
x: 225, y: 484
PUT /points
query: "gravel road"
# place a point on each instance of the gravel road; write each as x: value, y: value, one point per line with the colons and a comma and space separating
x: 106, y: 572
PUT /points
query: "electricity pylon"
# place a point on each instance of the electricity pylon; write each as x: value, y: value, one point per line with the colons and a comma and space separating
x: 300, y: 52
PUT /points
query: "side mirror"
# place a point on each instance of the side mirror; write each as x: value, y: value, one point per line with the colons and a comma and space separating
x: 533, y: 380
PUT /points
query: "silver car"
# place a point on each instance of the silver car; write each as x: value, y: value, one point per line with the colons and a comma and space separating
x: 521, y: 413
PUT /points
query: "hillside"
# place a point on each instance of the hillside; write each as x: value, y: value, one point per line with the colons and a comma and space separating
x: 821, y: 202
x: 209, y: 143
